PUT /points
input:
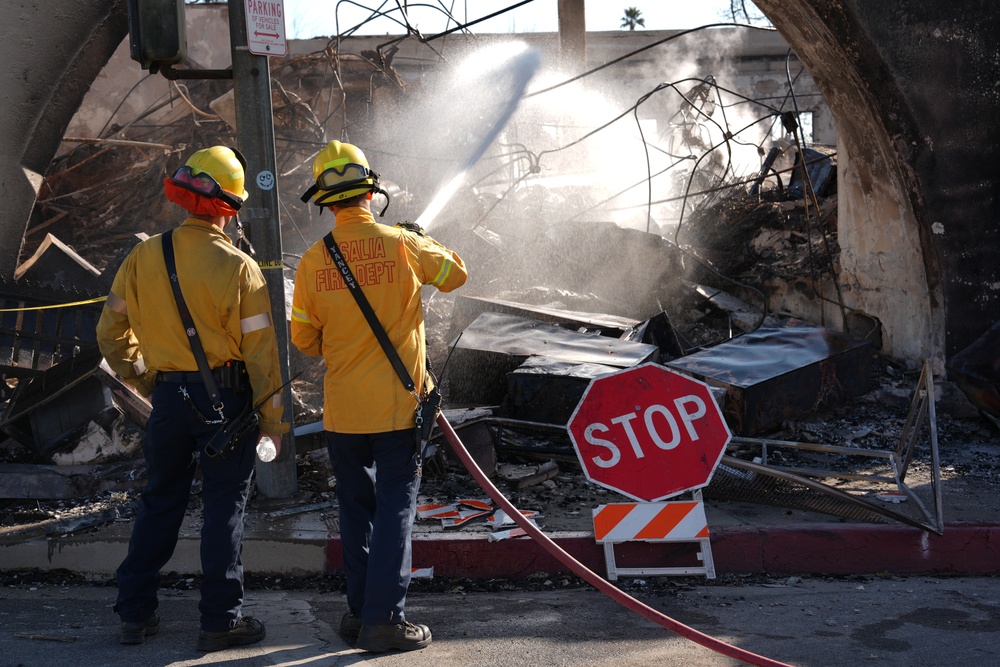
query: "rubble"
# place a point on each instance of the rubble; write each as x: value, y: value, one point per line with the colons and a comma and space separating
x: 519, y: 343
x: 118, y: 507
x: 522, y: 476
x: 779, y: 373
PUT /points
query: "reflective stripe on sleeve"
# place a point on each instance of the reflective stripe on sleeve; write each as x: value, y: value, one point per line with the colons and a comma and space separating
x: 443, y: 273
x: 117, y: 304
x: 140, y: 367
x: 256, y: 322
x: 277, y: 401
x: 299, y: 315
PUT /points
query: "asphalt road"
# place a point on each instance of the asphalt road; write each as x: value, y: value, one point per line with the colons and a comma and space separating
x: 814, y: 622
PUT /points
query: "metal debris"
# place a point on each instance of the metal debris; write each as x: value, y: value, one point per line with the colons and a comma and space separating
x: 775, y: 374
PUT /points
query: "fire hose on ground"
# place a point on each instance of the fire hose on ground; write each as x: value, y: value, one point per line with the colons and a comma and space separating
x: 586, y: 573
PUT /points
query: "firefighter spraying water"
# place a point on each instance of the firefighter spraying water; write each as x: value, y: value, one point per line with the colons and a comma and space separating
x: 515, y: 69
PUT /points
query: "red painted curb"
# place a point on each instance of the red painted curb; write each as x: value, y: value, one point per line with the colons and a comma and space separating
x: 964, y: 549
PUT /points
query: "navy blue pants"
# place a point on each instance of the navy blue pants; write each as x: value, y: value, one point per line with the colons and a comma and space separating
x: 377, y: 487
x: 173, y: 449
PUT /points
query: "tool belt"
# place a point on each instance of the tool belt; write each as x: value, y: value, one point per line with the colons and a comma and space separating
x: 233, y: 375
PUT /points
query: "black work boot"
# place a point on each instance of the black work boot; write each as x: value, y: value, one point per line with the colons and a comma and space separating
x: 246, y: 630
x: 135, y: 632
x: 350, y: 627
x: 405, y: 637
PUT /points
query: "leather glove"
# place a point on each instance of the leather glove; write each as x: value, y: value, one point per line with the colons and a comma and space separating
x: 411, y: 227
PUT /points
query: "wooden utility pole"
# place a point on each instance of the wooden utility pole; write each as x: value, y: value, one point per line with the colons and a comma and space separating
x: 255, y: 135
x: 572, y: 34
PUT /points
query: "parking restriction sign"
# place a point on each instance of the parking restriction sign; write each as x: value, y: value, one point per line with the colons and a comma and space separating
x: 266, y: 27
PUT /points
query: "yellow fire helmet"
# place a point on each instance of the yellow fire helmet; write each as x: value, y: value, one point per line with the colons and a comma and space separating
x: 225, y: 165
x: 341, y: 172
x: 210, y: 182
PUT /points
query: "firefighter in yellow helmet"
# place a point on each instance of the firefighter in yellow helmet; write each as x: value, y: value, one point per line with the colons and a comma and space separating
x: 342, y: 172
x: 368, y: 414
x: 143, y: 337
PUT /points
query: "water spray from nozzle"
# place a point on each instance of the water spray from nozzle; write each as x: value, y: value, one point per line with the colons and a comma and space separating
x: 508, y: 65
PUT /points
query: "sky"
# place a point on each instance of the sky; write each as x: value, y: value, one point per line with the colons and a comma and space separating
x: 315, y: 18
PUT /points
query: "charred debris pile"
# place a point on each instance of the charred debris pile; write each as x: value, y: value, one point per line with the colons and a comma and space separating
x: 550, y: 302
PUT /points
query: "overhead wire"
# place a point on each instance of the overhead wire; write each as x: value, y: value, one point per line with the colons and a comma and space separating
x: 636, y: 52
x: 729, y: 138
x: 809, y: 195
x: 467, y: 25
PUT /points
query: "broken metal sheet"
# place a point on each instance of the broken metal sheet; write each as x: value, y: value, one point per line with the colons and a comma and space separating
x: 658, y: 331
x: 976, y: 371
x: 767, y: 447
x: 129, y: 401
x: 496, y: 344
x: 478, y: 440
x: 35, y: 417
x: 819, y: 168
x: 740, y: 313
x: 532, y: 440
x: 791, y: 488
x: 548, y: 390
x: 776, y: 374
x: 468, y: 308
x: 744, y: 481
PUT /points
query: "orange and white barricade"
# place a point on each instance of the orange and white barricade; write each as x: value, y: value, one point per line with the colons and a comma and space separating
x: 678, y: 521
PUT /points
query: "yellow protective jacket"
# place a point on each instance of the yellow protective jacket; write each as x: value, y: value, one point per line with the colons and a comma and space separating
x: 362, y: 393
x: 140, y: 330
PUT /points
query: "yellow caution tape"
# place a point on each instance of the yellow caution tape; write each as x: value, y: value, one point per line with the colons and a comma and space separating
x: 273, y: 264
x: 58, y: 305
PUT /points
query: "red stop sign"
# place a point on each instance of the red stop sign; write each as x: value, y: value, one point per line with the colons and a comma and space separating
x: 648, y: 432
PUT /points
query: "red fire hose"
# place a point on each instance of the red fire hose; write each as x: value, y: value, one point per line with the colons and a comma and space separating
x: 589, y: 575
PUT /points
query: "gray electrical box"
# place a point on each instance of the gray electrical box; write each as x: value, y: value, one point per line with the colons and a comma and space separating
x: 157, y: 32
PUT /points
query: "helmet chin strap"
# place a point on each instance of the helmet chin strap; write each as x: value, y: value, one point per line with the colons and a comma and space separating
x: 386, y: 195
x: 375, y: 189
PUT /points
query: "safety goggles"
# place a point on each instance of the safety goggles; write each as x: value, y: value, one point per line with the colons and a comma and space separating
x: 334, y: 181
x: 204, y: 184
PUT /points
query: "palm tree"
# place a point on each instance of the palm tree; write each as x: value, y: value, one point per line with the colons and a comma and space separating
x: 633, y: 17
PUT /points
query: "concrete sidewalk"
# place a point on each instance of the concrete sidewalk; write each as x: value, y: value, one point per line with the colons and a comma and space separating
x: 744, y: 539
x: 809, y: 622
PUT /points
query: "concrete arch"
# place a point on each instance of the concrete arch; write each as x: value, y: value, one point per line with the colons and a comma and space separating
x: 911, y: 85
x: 52, y: 53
